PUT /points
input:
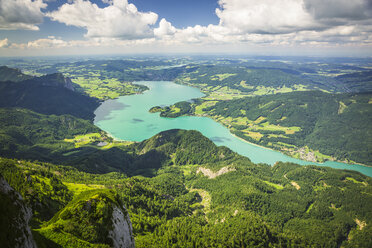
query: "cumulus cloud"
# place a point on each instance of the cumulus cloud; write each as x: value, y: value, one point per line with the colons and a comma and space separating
x: 165, y: 28
x: 47, y: 43
x: 263, y: 23
x: 264, y: 16
x: 281, y: 22
x: 21, y: 14
x: 339, y: 9
x: 118, y: 19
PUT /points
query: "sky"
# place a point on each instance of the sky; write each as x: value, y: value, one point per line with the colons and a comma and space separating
x: 257, y: 27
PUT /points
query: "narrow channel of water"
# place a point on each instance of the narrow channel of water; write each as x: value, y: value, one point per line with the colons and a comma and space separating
x: 127, y: 118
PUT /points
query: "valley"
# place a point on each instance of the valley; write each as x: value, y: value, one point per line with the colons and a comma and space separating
x: 185, y: 124
x: 86, y: 151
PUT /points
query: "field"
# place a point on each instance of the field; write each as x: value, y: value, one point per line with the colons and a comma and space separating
x: 106, y: 89
x: 100, y: 140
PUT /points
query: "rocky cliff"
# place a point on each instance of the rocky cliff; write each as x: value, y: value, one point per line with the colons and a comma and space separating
x: 14, y: 218
x: 56, y: 80
x: 96, y: 217
x: 122, y: 231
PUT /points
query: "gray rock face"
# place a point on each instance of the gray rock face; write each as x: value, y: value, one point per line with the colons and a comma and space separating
x: 56, y: 80
x: 17, y: 232
x: 122, y: 232
x: 68, y: 84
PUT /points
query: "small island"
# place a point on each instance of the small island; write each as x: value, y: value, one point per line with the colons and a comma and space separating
x: 173, y: 111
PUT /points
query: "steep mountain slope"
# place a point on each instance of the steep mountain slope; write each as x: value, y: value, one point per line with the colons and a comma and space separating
x: 15, y: 217
x: 26, y: 134
x: 51, y: 94
x: 13, y: 75
x: 105, y: 219
x: 62, y: 216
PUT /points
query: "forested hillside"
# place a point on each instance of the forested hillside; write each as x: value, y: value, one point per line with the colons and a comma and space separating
x: 336, y: 125
x: 237, y: 203
x: 12, y: 74
x: 27, y: 134
x: 47, y: 95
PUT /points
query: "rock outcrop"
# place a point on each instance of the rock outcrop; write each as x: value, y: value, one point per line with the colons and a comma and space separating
x: 102, y: 213
x: 122, y: 232
x: 14, y: 218
x: 56, y: 80
x: 210, y: 174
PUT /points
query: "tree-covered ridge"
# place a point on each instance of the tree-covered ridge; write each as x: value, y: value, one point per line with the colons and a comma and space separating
x: 13, y: 75
x: 185, y: 147
x: 26, y: 134
x: 337, y: 125
x: 244, y: 79
x: 51, y: 94
x: 231, y: 81
x: 357, y: 81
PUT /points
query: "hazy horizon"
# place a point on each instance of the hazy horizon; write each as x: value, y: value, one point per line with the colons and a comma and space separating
x: 333, y: 28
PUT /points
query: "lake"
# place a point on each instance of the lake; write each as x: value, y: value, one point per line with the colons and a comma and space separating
x: 128, y: 118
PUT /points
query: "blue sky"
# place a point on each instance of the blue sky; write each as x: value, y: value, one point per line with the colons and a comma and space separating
x: 278, y: 27
x: 182, y: 13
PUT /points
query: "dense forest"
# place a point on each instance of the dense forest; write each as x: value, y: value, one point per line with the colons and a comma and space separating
x: 50, y: 94
x: 247, y: 205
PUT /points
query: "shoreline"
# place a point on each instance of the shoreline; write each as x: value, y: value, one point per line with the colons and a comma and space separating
x: 272, y: 149
x: 257, y: 145
x: 269, y: 148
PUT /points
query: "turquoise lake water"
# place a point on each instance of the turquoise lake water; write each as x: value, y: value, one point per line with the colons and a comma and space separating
x: 128, y: 118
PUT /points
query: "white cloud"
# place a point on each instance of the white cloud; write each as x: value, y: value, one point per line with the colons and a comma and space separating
x: 264, y: 16
x: 165, y: 28
x: 47, y: 43
x: 118, y: 19
x: 280, y: 22
x: 262, y: 23
x: 4, y: 43
x: 21, y: 14
x: 339, y: 9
